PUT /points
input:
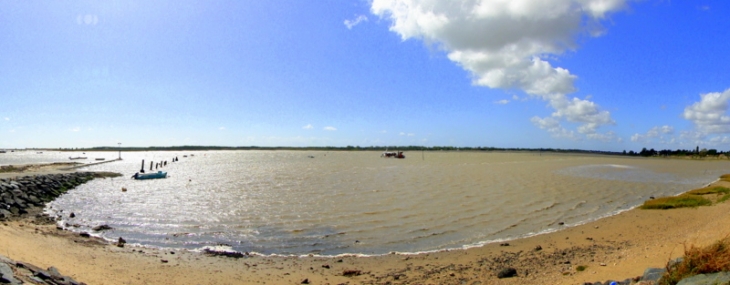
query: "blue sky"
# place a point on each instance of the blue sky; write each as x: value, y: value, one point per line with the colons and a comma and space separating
x: 589, y: 74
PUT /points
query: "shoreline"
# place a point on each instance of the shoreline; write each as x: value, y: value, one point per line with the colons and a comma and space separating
x: 615, y: 247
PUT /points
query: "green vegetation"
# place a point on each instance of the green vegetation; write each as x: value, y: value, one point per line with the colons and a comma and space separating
x: 710, y: 190
x: 681, y: 201
x: 693, y: 198
x: 705, y: 260
x: 581, y: 268
x: 725, y: 177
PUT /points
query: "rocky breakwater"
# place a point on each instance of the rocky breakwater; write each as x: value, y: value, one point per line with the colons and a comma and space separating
x: 20, y: 194
x: 24, y: 196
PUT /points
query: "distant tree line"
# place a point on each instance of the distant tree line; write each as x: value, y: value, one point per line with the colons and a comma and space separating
x: 334, y: 148
x: 679, y: 152
x: 697, y: 152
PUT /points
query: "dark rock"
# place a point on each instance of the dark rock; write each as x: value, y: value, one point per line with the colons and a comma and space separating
x: 507, y: 272
x: 121, y: 242
x: 561, y: 223
x: 351, y: 272
x: 538, y: 248
x: 504, y: 244
x: 85, y: 234
x: 164, y: 261
x: 305, y: 281
x: 223, y: 253
x: 102, y: 228
x: 327, y: 266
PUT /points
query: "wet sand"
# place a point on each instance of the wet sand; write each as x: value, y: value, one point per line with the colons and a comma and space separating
x: 617, y: 247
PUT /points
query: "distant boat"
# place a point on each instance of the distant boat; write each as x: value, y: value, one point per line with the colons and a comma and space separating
x: 100, y: 158
x: 78, y: 157
x: 389, y: 154
x: 141, y: 176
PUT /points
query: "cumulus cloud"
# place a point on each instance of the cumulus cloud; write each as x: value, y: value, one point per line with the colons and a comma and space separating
x: 351, y: 23
x: 709, y: 115
x: 308, y: 127
x: 328, y: 128
x: 505, y: 45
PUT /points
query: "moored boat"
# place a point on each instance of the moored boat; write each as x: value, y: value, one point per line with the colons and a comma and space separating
x: 154, y: 175
x: 78, y: 157
x: 100, y: 158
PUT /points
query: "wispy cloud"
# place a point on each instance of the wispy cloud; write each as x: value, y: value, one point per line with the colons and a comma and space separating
x: 328, y: 128
x: 501, y: 102
x: 222, y: 128
x: 308, y: 127
x: 76, y: 129
x: 7, y: 119
x: 359, y: 19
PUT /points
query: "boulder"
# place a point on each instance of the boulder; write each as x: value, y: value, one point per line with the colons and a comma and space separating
x: 653, y: 274
x: 706, y: 279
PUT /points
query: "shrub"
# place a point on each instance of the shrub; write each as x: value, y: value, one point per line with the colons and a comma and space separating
x: 704, y: 260
x: 681, y: 201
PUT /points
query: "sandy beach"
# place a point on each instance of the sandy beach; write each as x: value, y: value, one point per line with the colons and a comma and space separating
x: 617, y: 247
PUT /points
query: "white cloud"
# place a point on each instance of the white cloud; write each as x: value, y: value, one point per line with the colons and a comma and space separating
x: 351, y: 23
x: 553, y: 126
x: 328, y: 128
x: 411, y: 134
x: 502, y: 102
x: 709, y: 115
x: 505, y: 44
x: 76, y: 129
x: 662, y: 133
x: 607, y: 137
x: 7, y: 119
x: 308, y: 127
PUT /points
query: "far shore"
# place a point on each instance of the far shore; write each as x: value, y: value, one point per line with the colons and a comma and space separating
x: 616, y: 247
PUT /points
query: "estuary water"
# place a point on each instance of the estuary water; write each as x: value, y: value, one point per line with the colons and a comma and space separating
x: 355, y: 202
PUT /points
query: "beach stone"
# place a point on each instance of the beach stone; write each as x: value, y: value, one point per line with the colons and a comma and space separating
x: 507, y: 272
x: 653, y: 274
x: 102, y: 228
x: 4, y: 214
x: 707, y: 279
x: 6, y: 275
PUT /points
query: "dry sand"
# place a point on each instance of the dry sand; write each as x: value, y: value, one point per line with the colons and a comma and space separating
x: 617, y: 247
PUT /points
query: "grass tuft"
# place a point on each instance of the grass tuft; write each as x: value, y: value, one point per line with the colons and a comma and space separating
x: 681, y: 201
x: 725, y: 177
x: 699, y: 260
x: 710, y: 190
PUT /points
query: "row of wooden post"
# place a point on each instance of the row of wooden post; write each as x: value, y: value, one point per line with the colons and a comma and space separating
x: 157, y: 165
